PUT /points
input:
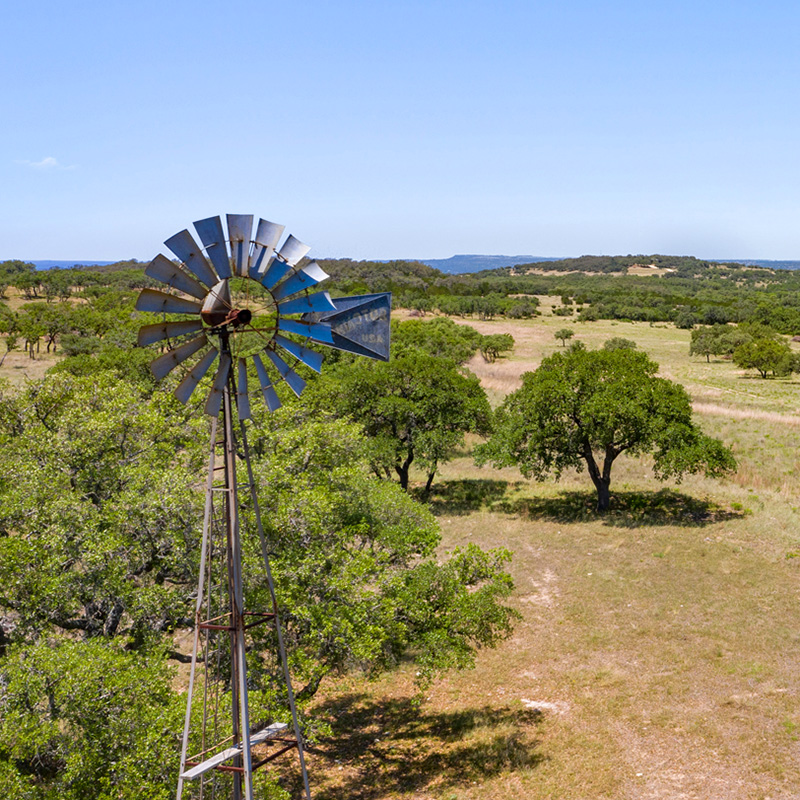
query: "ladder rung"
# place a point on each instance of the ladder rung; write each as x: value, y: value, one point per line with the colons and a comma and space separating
x: 220, y: 758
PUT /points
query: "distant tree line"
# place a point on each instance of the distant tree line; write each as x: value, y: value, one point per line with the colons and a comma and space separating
x: 692, y: 293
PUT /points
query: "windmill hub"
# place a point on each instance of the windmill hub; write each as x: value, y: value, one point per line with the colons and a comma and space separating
x: 236, y: 317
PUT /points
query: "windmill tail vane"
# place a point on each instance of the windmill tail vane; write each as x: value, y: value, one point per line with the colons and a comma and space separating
x: 241, y: 301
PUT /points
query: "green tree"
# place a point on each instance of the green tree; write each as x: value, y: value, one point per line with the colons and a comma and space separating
x: 96, y: 482
x: 31, y: 329
x: 496, y: 345
x: 9, y: 320
x: 619, y: 343
x: 28, y: 283
x: 415, y: 408
x: 685, y: 319
x: 705, y: 341
x: 53, y: 319
x: 87, y: 719
x: 582, y: 409
x: 439, y: 337
x: 729, y: 338
x: 764, y: 355
x: 563, y: 334
x: 355, y: 561
x: 11, y: 340
x: 56, y: 283
x: 522, y: 308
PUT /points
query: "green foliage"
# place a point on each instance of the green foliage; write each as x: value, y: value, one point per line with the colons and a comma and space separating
x: 496, y: 345
x: 87, y: 355
x: 14, y: 268
x: 355, y: 561
x: 98, y: 525
x: 764, y: 355
x: 455, y: 608
x: 619, y: 343
x: 87, y: 719
x: 707, y: 341
x: 522, y: 308
x: 100, y: 518
x: 440, y: 337
x: 402, y: 277
x: 11, y: 341
x: 563, y: 334
x: 73, y: 344
x: 584, y: 408
x: 31, y: 329
x: 691, y: 292
x: 9, y: 321
x: 414, y: 408
x: 725, y: 340
x: 685, y: 319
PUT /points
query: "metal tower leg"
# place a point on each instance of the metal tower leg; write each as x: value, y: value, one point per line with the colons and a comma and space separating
x: 199, y: 604
x: 236, y: 750
x: 273, y: 599
x: 240, y: 710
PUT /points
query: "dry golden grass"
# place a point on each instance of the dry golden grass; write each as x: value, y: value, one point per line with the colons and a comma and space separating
x: 658, y: 655
x: 19, y: 366
x: 639, y: 269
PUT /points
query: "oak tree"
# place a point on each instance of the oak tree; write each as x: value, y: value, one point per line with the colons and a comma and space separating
x: 583, y: 408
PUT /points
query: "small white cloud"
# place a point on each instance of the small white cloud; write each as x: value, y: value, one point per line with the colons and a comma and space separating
x: 47, y: 163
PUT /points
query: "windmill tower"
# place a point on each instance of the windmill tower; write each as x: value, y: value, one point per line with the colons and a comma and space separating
x: 247, y: 306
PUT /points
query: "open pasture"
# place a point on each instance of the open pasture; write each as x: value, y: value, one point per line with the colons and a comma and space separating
x: 658, y: 652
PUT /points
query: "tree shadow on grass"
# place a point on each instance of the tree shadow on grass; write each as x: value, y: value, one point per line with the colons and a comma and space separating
x: 465, y: 496
x: 382, y: 747
x: 628, y: 509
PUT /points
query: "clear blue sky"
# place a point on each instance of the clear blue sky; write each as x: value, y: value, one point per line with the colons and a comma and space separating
x: 403, y: 129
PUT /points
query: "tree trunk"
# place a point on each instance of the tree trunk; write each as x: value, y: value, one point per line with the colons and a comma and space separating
x: 601, y: 481
x: 402, y: 473
x: 603, y: 495
x: 402, y: 469
x: 429, y: 482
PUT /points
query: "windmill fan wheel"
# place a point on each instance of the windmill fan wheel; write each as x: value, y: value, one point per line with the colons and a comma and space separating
x: 238, y: 298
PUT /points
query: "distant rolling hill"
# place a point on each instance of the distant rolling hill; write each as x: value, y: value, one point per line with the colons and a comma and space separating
x: 477, y: 263
x: 69, y: 263
x: 751, y: 262
x: 471, y: 263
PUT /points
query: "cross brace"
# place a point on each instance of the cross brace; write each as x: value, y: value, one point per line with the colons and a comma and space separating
x: 226, y: 755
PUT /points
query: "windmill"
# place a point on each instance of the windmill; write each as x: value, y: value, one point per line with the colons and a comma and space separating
x: 243, y: 302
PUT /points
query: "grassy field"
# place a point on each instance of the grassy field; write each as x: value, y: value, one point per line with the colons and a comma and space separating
x: 658, y: 654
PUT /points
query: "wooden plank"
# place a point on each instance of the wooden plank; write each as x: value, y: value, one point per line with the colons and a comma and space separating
x: 230, y: 752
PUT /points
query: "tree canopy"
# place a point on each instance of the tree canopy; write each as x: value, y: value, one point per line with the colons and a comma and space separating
x: 100, y: 523
x: 415, y: 408
x: 584, y: 408
x: 764, y: 355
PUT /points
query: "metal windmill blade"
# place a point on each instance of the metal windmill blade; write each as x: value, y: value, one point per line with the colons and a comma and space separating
x: 205, y: 319
x: 266, y: 240
x: 298, y: 312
